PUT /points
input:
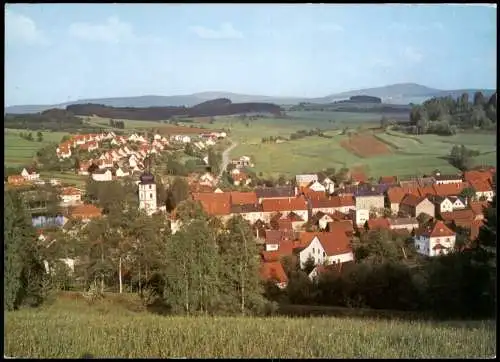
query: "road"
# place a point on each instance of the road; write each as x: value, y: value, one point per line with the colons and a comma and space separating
x: 225, y: 157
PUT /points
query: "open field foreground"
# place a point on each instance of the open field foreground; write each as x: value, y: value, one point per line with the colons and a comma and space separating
x: 74, y: 329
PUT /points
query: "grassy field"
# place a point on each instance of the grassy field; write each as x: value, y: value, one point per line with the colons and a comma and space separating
x: 20, y: 152
x: 72, y: 328
x: 410, y: 155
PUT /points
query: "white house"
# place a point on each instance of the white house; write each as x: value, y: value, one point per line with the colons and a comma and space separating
x: 435, y: 239
x: 443, y: 204
x: 459, y: 203
x: 362, y: 216
x: 102, y: 175
x: 133, y: 137
x: 207, y: 179
x: 157, y: 137
x: 317, y: 187
x: 147, y: 194
x: 483, y: 189
x: 440, y: 179
x: 326, y: 248
x: 30, y: 175
x: 304, y: 180
x: 329, y: 185
x: 63, y: 152
x: 71, y: 195
x: 120, y: 173
x: 210, y: 142
x: 70, y: 263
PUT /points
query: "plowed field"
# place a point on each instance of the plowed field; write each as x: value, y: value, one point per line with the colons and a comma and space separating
x: 365, y: 146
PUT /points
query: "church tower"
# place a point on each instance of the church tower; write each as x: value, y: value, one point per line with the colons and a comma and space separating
x: 147, y: 193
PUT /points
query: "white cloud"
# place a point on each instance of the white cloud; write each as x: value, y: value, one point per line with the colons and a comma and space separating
x: 225, y: 31
x: 22, y: 29
x: 112, y: 31
x: 412, y: 54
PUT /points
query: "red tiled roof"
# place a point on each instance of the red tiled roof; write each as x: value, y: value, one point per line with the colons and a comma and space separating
x: 412, y: 200
x: 273, y: 271
x: 379, y: 223
x: 293, y: 217
x: 70, y: 191
x: 478, y: 207
x: 214, y: 203
x: 474, y: 228
x: 290, y: 204
x: 481, y: 185
x: 436, y: 229
x: 388, y: 180
x: 471, y: 176
x: 86, y: 211
x: 464, y: 214
x: 426, y: 190
x: 345, y: 226
x: 243, y: 198
x: 285, y: 224
x: 358, y: 176
x: 333, y: 243
x: 453, y: 189
x: 395, y: 195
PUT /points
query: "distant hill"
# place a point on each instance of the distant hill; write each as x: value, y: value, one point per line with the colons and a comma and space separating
x: 403, y: 93
x: 216, y: 107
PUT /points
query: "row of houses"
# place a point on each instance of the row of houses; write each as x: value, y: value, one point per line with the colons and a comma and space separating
x: 363, y: 206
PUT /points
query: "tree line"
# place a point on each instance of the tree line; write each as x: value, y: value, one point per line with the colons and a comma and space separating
x: 117, y: 124
x: 28, y: 136
x: 50, y: 120
x: 444, y: 115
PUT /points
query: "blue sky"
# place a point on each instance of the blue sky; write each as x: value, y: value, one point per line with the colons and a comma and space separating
x: 57, y: 53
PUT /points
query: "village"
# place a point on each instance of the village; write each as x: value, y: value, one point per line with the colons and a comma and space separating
x: 309, y: 218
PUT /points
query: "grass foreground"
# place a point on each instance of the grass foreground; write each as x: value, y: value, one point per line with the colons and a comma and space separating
x: 72, y: 329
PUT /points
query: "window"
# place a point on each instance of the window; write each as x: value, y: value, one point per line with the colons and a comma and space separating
x: 313, y: 250
x: 150, y: 196
x: 324, y: 254
x: 438, y: 240
x: 447, y: 240
x: 150, y: 187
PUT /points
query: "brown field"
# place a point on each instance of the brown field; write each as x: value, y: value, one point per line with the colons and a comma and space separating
x: 168, y: 130
x: 365, y: 146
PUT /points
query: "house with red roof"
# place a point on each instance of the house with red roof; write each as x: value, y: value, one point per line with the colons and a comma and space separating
x: 450, y: 189
x: 332, y: 204
x: 215, y: 204
x: 298, y: 205
x: 85, y: 212
x: 378, y: 224
x: 394, y: 197
x: 273, y: 271
x: 325, y: 248
x: 477, y: 208
x: 414, y: 206
x: 483, y: 189
x: 71, y: 195
x: 434, y: 239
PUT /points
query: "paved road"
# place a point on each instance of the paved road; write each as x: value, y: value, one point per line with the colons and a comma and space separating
x: 225, y: 157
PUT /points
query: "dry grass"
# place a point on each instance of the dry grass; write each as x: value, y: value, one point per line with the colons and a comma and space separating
x: 71, y: 328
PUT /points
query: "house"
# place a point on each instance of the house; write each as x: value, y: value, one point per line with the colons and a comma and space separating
x: 120, y: 173
x: 298, y: 205
x: 84, y: 167
x: 250, y: 212
x: 241, y: 178
x: 414, y: 206
x: 281, y: 241
x: 434, y: 239
x: 243, y: 198
x: 323, y: 219
x: 403, y: 223
x: 71, y: 195
x: 450, y: 189
x: 442, y: 203
x: 367, y: 201
x: 16, y: 180
x: 214, y: 204
x: 102, y: 175
x: 463, y: 218
x: 329, y: 185
x: 478, y: 175
x: 483, y: 189
x: 207, y: 179
x: 332, y: 204
x: 447, y: 179
x: 325, y: 248
x: 242, y: 162
x: 332, y: 269
x: 394, y: 197
x: 89, y: 146
x: 378, y: 224
x: 273, y: 271
x: 388, y: 180
x: 306, y: 179
x: 63, y: 152
x: 459, y: 202
x: 30, y: 174
x: 358, y: 177
x: 85, y: 212
x: 278, y: 192
x: 292, y: 221
x: 477, y: 208
x: 316, y: 186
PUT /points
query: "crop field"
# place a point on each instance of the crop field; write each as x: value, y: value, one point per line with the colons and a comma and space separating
x: 69, y: 178
x: 379, y: 153
x: 73, y: 329
x: 20, y: 152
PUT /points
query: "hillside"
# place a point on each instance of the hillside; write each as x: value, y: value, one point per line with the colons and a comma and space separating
x: 217, y: 107
x: 403, y: 93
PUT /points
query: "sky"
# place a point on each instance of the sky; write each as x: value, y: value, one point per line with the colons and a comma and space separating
x: 56, y: 53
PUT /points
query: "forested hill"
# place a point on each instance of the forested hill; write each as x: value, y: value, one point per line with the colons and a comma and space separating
x: 216, y: 107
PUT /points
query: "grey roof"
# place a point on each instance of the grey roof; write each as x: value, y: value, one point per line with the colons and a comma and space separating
x: 275, y: 192
x: 404, y: 221
x: 244, y: 208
